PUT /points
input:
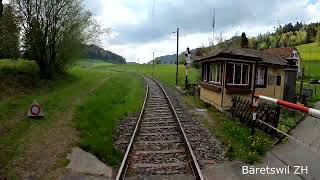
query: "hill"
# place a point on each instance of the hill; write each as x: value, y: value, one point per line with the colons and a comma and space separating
x: 167, y: 59
x: 96, y: 52
x: 305, y: 49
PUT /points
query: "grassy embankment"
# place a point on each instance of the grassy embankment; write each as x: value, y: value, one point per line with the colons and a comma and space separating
x: 99, y: 99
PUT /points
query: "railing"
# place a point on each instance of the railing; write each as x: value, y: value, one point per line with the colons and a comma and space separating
x: 268, y: 113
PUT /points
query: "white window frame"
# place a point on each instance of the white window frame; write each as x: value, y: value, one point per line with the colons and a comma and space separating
x: 216, y: 73
x: 241, y: 78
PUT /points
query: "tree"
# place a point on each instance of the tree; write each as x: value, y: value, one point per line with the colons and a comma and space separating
x: 53, y: 31
x: 301, y: 37
x: 9, y: 34
x: 1, y: 8
x: 157, y: 60
x: 253, y: 43
x: 244, y: 41
x: 318, y: 36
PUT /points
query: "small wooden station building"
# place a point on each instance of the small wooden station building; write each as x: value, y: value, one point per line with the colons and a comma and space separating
x: 233, y: 71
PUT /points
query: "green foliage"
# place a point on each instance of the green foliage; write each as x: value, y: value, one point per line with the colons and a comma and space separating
x: 53, y: 32
x: 235, y: 136
x: 285, y: 36
x: 9, y: 34
x: 289, y: 120
x: 17, y: 78
x: 96, y: 52
x: 318, y: 36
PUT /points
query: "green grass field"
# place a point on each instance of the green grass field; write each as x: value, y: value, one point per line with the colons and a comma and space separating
x: 97, y: 118
x: 85, y: 98
x: 163, y: 72
x: 306, y: 49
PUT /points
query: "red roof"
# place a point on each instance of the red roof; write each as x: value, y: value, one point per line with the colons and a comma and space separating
x: 285, y: 52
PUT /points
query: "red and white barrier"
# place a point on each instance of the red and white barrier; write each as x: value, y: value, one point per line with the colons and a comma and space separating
x: 310, y: 111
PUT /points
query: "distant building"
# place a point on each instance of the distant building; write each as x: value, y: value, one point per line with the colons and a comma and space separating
x: 231, y: 72
x: 286, y: 52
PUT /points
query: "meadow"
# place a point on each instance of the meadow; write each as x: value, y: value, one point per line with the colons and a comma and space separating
x: 309, y: 51
x: 163, y: 72
x: 87, y: 100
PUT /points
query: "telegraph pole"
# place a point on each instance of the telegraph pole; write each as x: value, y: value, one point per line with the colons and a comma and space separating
x: 213, y: 24
x: 177, y: 62
x: 152, y: 63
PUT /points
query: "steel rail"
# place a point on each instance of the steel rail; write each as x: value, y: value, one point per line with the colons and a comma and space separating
x: 124, y: 163
x: 123, y: 168
x: 195, y: 164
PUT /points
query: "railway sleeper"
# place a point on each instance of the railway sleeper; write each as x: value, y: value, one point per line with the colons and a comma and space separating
x: 159, y: 146
x: 158, y: 130
x: 157, y: 158
x: 158, y: 138
x: 157, y: 121
x: 156, y: 124
x: 161, y: 169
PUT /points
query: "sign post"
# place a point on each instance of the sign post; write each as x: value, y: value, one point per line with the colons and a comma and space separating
x: 188, y: 61
x: 35, y: 110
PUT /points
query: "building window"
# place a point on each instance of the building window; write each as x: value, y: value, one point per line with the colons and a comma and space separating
x: 238, y: 74
x: 215, y: 73
x: 204, y: 75
x: 261, y: 76
x: 278, y: 83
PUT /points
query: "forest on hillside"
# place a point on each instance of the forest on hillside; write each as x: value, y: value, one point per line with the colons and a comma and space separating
x: 287, y: 35
x: 96, y: 52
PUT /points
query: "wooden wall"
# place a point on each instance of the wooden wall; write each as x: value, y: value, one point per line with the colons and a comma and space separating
x: 271, y: 90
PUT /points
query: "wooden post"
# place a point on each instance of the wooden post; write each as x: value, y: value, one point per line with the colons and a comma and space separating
x: 301, y: 83
x: 177, y: 61
x: 252, y: 97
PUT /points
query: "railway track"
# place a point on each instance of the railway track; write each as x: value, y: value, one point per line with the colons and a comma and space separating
x: 158, y: 145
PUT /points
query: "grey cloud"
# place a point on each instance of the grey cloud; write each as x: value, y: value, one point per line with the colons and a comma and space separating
x: 194, y: 16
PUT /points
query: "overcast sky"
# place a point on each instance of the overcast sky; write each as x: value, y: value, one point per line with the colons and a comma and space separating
x: 136, y: 33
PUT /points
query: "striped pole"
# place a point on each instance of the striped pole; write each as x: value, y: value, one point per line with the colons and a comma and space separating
x: 255, y: 104
x: 310, y: 111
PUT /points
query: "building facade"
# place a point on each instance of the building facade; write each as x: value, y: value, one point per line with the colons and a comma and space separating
x: 241, y: 72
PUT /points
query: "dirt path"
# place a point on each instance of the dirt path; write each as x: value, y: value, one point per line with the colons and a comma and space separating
x: 46, y: 145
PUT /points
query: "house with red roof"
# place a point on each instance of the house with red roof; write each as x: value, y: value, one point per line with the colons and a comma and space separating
x: 286, y: 52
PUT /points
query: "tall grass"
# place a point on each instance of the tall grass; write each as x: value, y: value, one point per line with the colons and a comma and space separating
x: 98, y: 117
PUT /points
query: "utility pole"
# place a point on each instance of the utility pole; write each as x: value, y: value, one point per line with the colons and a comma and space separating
x: 213, y: 24
x: 309, y: 65
x: 177, y: 62
x: 152, y: 63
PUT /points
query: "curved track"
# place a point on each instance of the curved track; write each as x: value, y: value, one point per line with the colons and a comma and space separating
x: 158, y: 145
